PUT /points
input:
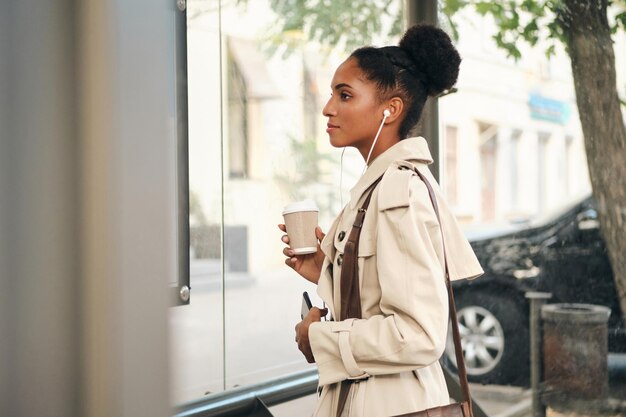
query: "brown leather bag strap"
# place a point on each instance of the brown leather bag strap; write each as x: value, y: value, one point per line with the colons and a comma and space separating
x: 349, y: 284
x: 350, y: 293
x: 460, y: 361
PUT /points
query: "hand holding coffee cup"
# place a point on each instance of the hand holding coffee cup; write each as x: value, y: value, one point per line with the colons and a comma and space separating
x: 300, y: 223
x: 308, y: 265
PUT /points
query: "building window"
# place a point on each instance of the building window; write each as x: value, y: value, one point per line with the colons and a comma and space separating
x: 310, y: 104
x: 514, y: 158
x: 568, y: 171
x: 542, y: 171
x: 488, y: 152
x: 238, y: 161
x: 451, y: 168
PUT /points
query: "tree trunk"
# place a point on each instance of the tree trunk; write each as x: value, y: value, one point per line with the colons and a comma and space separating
x: 590, y: 48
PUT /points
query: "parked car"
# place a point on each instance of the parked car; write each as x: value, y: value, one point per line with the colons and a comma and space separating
x: 563, y: 254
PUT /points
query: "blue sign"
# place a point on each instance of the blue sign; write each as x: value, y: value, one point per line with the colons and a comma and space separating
x: 545, y: 108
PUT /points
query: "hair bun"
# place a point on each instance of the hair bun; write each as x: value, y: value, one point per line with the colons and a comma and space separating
x: 434, y: 56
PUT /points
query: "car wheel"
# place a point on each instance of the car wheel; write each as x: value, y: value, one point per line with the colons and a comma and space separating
x: 494, y: 337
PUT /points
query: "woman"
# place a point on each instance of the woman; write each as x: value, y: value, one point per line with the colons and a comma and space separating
x: 385, y: 363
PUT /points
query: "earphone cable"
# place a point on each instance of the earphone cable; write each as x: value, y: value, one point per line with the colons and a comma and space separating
x: 380, y: 128
x: 341, y: 178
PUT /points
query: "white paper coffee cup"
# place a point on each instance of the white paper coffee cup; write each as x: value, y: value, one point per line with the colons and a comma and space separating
x: 301, y: 221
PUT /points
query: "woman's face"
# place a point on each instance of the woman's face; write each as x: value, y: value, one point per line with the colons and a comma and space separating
x: 354, y: 110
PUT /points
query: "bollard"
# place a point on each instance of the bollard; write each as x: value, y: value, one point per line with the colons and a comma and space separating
x: 575, y: 345
x: 537, y: 300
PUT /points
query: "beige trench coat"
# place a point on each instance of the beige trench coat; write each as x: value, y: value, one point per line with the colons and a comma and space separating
x: 393, y: 350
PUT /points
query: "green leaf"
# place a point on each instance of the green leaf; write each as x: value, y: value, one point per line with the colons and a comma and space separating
x: 510, y: 22
x: 455, y: 30
x: 532, y: 7
x: 484, y: 7
x: 620, y: 20
x: 450, y: 7
x: 509, y: 47
x: 531, y: 32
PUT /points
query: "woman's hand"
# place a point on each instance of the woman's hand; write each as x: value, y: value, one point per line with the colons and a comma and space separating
x: 302, y: 332
x: 309, y: 266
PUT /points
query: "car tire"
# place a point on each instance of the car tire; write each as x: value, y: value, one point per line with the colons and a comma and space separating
x: 495, y: 339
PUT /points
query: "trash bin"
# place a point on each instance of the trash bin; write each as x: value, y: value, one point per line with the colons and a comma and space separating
x: 575, y: 347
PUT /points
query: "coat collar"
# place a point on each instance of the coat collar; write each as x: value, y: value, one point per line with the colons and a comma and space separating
x: 327, y: 245
x: 410, y: 149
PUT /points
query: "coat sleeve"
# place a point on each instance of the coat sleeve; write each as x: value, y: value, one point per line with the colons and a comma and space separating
x: 411, y: 330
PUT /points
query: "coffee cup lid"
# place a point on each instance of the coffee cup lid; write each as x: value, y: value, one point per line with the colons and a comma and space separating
x: 305, y: 205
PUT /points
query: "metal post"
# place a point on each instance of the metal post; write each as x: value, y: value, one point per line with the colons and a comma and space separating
x: 425, y: 11
x: 421, y: 11
x: 537, y: 300
x: 181, y: 292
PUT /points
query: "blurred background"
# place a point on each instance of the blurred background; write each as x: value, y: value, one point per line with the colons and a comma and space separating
x: 149, y: 147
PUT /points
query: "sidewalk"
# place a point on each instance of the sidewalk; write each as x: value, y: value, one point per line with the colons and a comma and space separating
x: 497, y: 401
x: 503, y: 401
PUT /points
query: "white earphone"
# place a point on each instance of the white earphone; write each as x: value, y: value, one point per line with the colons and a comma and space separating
x: 386, y: 113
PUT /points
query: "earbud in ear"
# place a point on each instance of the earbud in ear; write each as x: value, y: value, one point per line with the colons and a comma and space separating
x: 386, y: 113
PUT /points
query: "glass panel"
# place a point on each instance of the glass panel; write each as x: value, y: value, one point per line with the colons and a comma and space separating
x: 273, y: 157
x: 197, y: 354
x: 276, y: 152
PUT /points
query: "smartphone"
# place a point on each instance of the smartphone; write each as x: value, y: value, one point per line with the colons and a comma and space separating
x: 306, y: 304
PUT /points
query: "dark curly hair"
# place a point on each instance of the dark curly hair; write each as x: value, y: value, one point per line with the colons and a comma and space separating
x: 425, y: 63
